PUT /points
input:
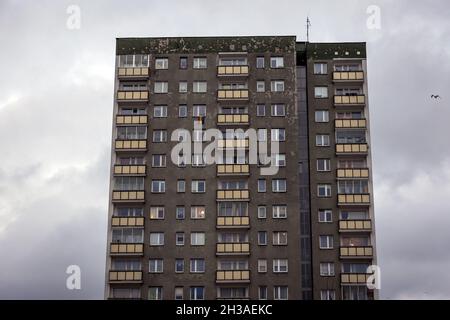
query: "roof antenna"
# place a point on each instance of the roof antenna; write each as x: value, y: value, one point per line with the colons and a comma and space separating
x: 308, y: 25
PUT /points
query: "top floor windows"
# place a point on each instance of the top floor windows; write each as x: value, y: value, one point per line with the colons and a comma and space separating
x: 200, y: 63
x: 276, y: 62
x: 134, y: 60
x: 260, y: 62
x: 348, y: 67
x: 161, y: 63
x: 183, y: 63
x: 233, y: 61
x: 320, y: 68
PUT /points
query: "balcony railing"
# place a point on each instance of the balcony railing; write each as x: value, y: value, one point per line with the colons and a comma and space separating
x: 242, y: 194
x: 123, y: 119
x: 232, y: 70
x: 132, y: 96
x: 348, y: 76
x: 127, y: 221
x: 354, y: 278
x: 233, y: 222
x: 353, y: 199
x: 127, y: 249
x: 355, y: 225
x: 353, y: 173
x: 232, y: 94
x: 133, y: 73
x: 129, y: 170
x: 352, y: 148
x: 232, y: 119
x: 131, y: 145
x: 124, y: 196
x: 237, y: 248
x: 232, y: 276
x: 350, y: 123
x: 365, y: 252
x: 125, y: 276
x: 350, y: 100
x: 233, y: 169
x: 233, y: 143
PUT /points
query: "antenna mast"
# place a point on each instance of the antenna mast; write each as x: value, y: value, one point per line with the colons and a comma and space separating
x: 308, y: 25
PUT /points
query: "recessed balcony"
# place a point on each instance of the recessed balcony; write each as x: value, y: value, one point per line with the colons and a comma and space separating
x: 127, y: 249
x: 353, y: 199
x: 352, y: 148
x: 232, y: 71
x: 126, y: 120
x: 133, y: 73
x: 349, y: 100
x: 233, y: 143
x: 351, y: 123
x: 135, y: 170
x: 348, y: 76
x: 233, y: 222
x: 128, y: 196
x: 232, y: 276
x: 353, y: 173
x: 355, y: 225
x: 232, y: 94
x: 129, y: 96
x: 237, y: 248
x: 354, y: 278
x: 233, y: 169
x: 125, y: 276
x: 356, y: 252
x: 232, y: 119
x: 127, y: 221
x: 231, y: 195
x: 131, y: 145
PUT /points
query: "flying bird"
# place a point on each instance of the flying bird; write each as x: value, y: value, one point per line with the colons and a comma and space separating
x: 435, y: 96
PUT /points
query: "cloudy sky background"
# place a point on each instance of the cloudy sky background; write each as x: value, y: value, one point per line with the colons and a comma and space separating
x: 56, y: 89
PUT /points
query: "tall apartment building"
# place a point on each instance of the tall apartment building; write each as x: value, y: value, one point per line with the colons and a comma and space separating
x: 182, y: 228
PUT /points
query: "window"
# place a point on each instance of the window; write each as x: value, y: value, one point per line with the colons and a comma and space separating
x: 279, y: 212
x: 129, y: 212
x: 326, y: 242
x: 158, y: 186
x: 155, y: 293
x: 279, y: 185
x: 260, y: 110
x: 178, y: 293
x: 182, y: 111
x: 200, y: 63
x: 179, y: 238
x: 324, y: 190
x: 156, y: 239
x: 158, y: 160
x: 181, y: 186
x: 235, y: 61
x: 128, y: 235
x: 183, y: 62
x: 155, y: 266
x: 322, y: 116
x: 278, y: 110
x: 161, y: 63
x: 280, y: 160
x: 197, y: 265
x: 262, y: 265
x: 133, y: 60
x: 321, y: 92
x: 262, y: 212
x: 160, y: 112
x: 197, y: 159
x: 133, y: 86
x: 197, y: 239
x: 262, y: 185
x: 198, y: 186
x: 179, y: 265
x: 325, y: 215
x: 156, y: 213
x: 262, y: 293
x: 128, y: 183
x: 280, y: 265
x: 327, y: 269
x: 350, y: 136
x: 132, y: 111
x: 182, y: 87
x: 199, y: 111
x: 355, y: 241
x: 278, y: 134
x: 159, y: 136
x: 353, y: 187
x: 276, y: 62
x: 279, y: 238
x: 262, y: 134
x: 280, y: 292
x: 277, y: 85
x: 322, y: 140
x: 260, y: 86
x: 180, y: 213
x: 354, y: 215
x: 323, y: 165
x: 320, y: 68
x: 161, y: 87
x: 260, y: 62
x: 327, y: 295
x: 131, y: 133
x: 199, y: 86
x: 197, y: 293
x: 355, y: 293
x: 126, y: 265
x: 232, y: 209
x: 262, y: 238
x: 198, y: 212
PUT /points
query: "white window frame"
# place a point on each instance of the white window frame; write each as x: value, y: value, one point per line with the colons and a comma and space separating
x: 262, y: 265
x: 161, y: 63
x: 197, y: 87
x: 329, y: 242
x: 277, y: 264
x: 322, y: 140
x: 277, y: 86
x: 321, y: 92
x: 322, y: 116
x: 260, y: 86
x: 157, y: 213
x: 198, y: 239
x: 200, y: 63
x: 161, y: 87
x: 262, y: 212
x: 277, y: 292
x: 327, y: 269
x: 160, y: 238
x: 324, y: 213
x: 277, y: 211
x: 276, y: 62
x: 160, y: 111
x: 158, y: 265
x: 326, y: 187
x: 326, y: 165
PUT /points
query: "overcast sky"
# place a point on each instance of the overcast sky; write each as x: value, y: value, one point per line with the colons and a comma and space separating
x: 56, y: 90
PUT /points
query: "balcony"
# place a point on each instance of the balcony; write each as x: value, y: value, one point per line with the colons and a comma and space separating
x: 232, y: 94
x: 232, y: 195
x: 131, y: 145
x: 348, y: 76
x: 356, y: 252
x: 354, y: 278
x: 232, y: 276
x: 352, y: 173
x: 136, y: 170
x: 233, y: 170
x: 233, y: 222
x: 349, y: 100
x: 125, y: 276
x: 143, y: 119
x: 133, y: 73
x: 129, y: 96
x: 232, y: 119
x: 127, y: 249
x: 128, y: 196
x: 352, y: 148
x: 233, y: 71
x: 233, y: 143
x: 355, y: 225
x: 351, y: 123
x: 353, y: 199
x: 238, y: 248
x: 127, y: 222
